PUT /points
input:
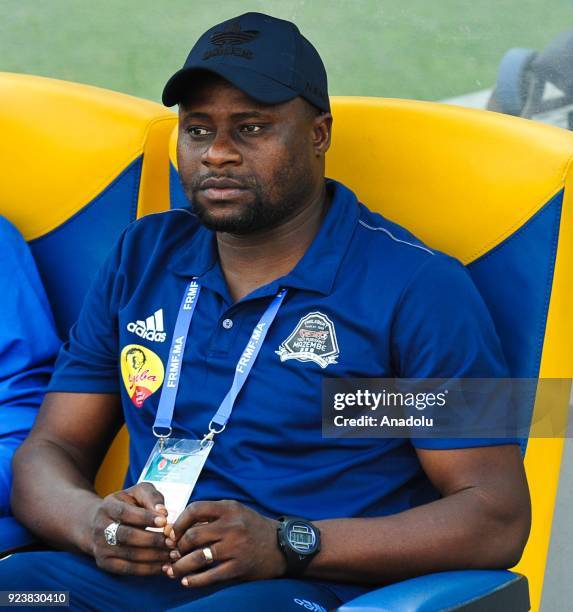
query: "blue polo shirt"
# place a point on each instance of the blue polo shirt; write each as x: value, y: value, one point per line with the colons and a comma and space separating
x: 368, y: 297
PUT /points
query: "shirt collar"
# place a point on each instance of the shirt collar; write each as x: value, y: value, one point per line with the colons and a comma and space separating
x: 198, y: 256
x: 317, y: 269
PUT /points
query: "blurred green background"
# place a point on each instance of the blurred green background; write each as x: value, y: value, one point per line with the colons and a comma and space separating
x: 426, y: 49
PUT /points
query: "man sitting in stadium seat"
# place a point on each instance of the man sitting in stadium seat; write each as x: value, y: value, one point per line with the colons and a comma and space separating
x: 271, y: 256
x: 28, y: 348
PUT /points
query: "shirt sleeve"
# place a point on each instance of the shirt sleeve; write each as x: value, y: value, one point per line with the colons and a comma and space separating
x: 28, y: 348
x: 87, y: 362
x: 443, y: 329
x: 28, y: 339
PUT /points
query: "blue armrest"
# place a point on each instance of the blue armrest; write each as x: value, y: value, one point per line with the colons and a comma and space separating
x: 13, y: 535
x: 470, y: 590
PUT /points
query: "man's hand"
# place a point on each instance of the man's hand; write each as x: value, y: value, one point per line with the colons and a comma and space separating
x: 138, y: 552
x: 243, y: 544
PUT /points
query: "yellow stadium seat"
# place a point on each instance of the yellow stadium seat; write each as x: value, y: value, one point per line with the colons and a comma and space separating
x: 78, y: 164
x: 496, y: 192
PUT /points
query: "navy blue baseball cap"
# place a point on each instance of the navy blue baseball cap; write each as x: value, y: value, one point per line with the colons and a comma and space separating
x: 265, y: 57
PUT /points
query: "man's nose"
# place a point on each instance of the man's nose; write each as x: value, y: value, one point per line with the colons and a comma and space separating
x: 221, y: 152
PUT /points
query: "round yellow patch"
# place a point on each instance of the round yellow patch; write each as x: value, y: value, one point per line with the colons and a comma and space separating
x: 142, y: 372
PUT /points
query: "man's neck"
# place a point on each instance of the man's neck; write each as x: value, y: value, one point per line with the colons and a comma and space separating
x: 254, y: 260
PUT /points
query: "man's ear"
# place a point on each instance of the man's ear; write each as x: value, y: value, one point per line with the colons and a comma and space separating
x: 321, y: 133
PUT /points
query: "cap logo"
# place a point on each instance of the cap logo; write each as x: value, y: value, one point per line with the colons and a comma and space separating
x: 227, y: 40
x: 233, y: 35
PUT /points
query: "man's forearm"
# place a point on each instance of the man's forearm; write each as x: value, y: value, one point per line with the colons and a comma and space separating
x: 52, y: 497
x: 456, y: 532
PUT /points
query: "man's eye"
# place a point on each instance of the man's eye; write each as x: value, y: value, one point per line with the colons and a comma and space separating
x: 251, y: 128
x: 197, y: 131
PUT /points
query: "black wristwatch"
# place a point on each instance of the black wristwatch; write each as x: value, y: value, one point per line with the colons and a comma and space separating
x: 299, y: 540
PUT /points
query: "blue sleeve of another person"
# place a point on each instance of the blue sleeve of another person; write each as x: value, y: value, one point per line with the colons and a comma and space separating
x: 28, y: 348
x: 443, y: 329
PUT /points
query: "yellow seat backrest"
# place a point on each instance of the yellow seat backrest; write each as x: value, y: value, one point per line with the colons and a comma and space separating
x: 483, y: 187
x: 78, y: 164
x: 63, y: 144
x: 496, y: 192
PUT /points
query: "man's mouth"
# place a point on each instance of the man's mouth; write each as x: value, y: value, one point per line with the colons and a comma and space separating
x: 222, y: 189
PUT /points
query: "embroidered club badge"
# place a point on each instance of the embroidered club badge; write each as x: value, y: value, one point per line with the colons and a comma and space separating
x: 313, y: 339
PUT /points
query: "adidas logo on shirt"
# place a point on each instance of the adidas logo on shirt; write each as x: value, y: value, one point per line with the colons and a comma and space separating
x: 150, y: 329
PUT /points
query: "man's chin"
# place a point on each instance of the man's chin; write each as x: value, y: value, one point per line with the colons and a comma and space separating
x: 220, y: 221
x: 241, y: 217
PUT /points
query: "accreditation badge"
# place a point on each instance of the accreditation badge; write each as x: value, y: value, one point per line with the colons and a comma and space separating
x: 173, y: 467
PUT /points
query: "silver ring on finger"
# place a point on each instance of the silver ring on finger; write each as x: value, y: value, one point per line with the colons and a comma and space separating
x: 208, y: 554
x: 110, y: 534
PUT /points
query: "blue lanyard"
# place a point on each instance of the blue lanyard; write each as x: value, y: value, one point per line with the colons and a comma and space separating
x: 243, y: 368
x: 166, y: 406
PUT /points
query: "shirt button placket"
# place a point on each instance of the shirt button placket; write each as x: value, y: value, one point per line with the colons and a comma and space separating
x: 225, y: 330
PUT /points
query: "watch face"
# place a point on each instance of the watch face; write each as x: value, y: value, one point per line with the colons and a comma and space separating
x: 301, y: 537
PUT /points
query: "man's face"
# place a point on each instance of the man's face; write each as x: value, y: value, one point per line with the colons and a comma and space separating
x: 136, y: 359
x: 246, y: 166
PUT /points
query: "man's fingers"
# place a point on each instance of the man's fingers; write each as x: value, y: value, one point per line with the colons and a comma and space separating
x: 196, y: 561
x: 130, y: 568
x: 147, y: 496
x: 198, y: 537
x: 123, y: 512
x: 167, y: 530
x: 140, y: 555
x: 199, y: 512
x: 139, y: 538
x: 221, y: 573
